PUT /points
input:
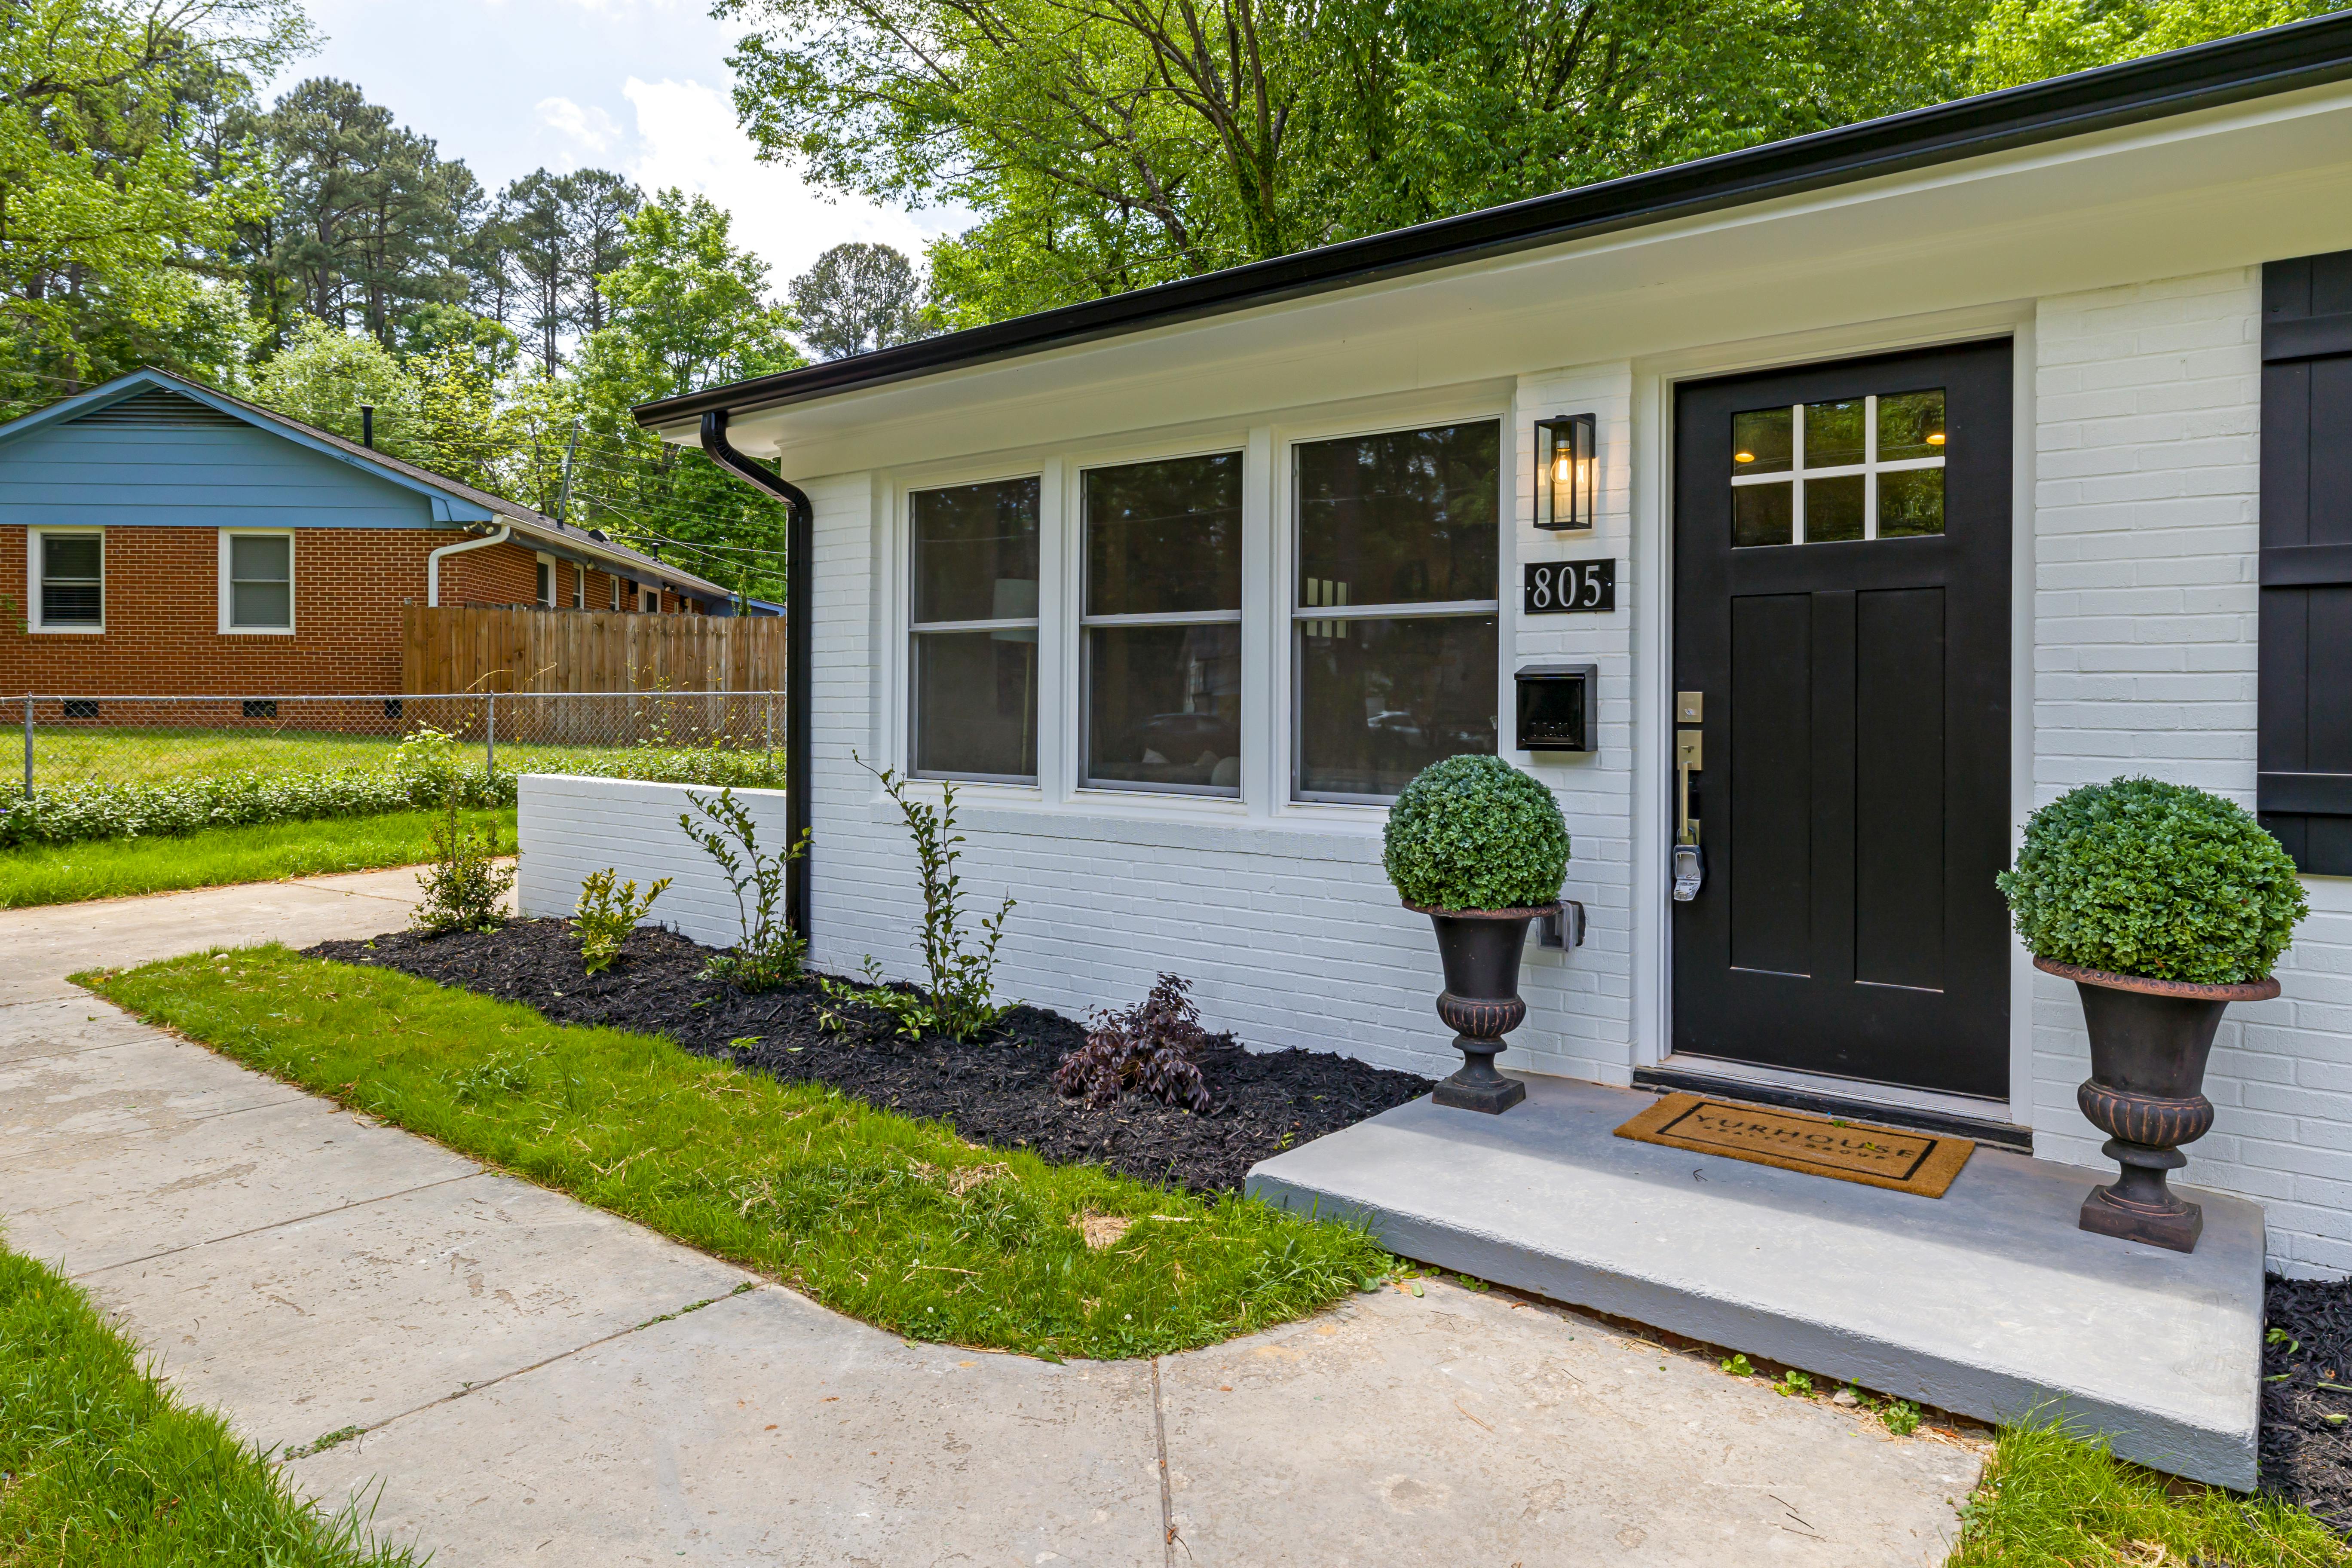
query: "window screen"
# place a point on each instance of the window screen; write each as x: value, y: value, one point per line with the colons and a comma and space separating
x: 261, y: 581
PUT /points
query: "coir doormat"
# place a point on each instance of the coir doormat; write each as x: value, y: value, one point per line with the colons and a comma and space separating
x: 1845, y: 1151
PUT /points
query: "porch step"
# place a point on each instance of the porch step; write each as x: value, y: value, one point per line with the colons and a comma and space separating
x: 1987, y: 1301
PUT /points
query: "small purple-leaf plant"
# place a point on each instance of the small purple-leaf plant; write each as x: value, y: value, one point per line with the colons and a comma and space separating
x: 1148, y: 1047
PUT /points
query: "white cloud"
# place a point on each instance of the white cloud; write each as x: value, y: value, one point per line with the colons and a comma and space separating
x: 591, y: 129
x: 687, y: 136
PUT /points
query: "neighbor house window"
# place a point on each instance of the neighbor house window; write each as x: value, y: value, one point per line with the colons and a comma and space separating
x: 975, y: 630
x: 1399, y: 551
x: 71, y: 568
x: 1162, y: 625
x: 649, y: 601
x: 546, y: 584
x: 257, y: 583
x: 579, y: 586
x: 613, y: 584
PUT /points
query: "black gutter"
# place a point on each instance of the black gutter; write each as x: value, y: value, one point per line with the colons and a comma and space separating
x: 800, y: 546
x: 2255, y: 65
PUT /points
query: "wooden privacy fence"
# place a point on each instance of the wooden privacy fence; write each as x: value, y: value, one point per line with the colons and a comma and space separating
x: 518, y: 648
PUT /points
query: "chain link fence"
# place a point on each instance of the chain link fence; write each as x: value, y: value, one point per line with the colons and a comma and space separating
x: 78, y: 741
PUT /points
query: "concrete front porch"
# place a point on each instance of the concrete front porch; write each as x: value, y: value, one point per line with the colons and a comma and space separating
x: 1987, y: 1301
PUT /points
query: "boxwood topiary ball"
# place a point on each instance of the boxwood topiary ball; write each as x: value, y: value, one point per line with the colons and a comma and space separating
x: 1475, y: 833
x: 2141, y: 878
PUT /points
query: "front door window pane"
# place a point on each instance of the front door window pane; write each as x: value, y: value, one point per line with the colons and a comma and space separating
x: 261, y: 581
x: 71, y: 592
x: 975, y: 688
x: 1839, y: 471
x: 1403, y: 518
x: 1382, y: 699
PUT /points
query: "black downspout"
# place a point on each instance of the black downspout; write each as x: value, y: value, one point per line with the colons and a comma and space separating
x: 799, y: 544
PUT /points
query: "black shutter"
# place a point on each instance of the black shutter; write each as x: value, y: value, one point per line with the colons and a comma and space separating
x: 2304, y: 787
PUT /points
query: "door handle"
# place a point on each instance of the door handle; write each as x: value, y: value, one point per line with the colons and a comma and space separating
x: 1689, y: 864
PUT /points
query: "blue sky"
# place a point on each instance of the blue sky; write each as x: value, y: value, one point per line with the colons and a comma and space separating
x: 637, y: 86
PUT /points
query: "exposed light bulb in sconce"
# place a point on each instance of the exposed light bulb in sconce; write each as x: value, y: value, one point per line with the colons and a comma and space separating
x: 1935, y: 438
x: 1743, y: 456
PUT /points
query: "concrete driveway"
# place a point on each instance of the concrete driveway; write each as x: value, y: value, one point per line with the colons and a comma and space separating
x: 530, y: 1380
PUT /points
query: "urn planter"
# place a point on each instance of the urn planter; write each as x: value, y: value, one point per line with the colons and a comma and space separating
x: 1481, y: 949
x: 2149, y: 1040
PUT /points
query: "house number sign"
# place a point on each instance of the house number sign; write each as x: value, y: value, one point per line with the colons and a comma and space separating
x: 1568, y: 587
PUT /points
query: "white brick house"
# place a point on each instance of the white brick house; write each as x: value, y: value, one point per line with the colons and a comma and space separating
x: 1174, y: 745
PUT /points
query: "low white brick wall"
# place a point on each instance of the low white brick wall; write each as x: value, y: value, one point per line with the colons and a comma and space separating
x: 571, y: 827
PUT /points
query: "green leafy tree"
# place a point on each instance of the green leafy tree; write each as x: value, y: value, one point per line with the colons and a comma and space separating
x: 110, y: 217
x: 324, y: 375
x: 858, y: 297
x: 2018, y: 41
x: 689, y: 309
x: 1109, y: 145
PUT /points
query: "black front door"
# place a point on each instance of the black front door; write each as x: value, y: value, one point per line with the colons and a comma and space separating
x: 1842, y: 615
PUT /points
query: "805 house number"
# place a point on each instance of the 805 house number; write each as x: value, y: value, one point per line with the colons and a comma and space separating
x: 1567, y: 587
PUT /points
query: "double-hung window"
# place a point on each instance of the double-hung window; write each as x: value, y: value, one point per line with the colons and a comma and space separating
x: 1162, y: 625
x: 1396, y: 611
x: 546, y: 582
x: 257, y: 583
x: 975, y: 630
x: 71, y: 566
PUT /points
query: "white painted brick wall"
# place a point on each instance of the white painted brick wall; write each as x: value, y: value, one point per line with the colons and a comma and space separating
x: 2147, y: 410
x: 569, y: 828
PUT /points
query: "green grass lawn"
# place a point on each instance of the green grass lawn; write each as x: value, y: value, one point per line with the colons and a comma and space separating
x: 109, y: 754
x: 898, y: 1222
x: 2048, y: 1501
x: 110, y: 867
x: 100, y: 1467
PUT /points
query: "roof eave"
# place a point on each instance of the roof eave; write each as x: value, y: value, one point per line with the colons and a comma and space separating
x: 2276, y: 61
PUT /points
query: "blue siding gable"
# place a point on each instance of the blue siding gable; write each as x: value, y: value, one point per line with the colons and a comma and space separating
x: 144, y: 452
x: 191, y: 476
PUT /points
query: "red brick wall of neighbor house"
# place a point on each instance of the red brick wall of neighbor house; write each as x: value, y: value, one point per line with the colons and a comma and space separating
x: 162, y: 633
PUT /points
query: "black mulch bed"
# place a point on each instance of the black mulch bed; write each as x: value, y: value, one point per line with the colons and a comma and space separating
x: 2307, y: 1458
x: 994, y: 1092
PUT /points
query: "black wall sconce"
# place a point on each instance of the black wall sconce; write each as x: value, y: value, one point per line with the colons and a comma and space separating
x: 1566, y: 448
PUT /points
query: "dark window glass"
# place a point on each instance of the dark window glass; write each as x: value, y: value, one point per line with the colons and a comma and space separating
x: 1911, y: 424
x: 1762, y: 442
x: 1404, y: 518
x: 1166, y: 537
x: 1763, y: 514
x: 1382, y: 699
x: 1910, y: 503
x: 976, y: 703
x: 70, y: 578
x: 1833, y: 435
x: 1164, y: 705
x: 1833, y: 510
x: 976, y: 552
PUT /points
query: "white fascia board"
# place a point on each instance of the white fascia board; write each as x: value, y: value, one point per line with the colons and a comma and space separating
x: 2225, y: 187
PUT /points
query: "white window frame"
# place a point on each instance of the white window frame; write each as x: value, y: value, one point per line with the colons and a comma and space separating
x: 579, y: 584
x: 645, y: 594
x: 1044, y: 479
x: 33, y: 623
x: 226, y: 596
x: 545, y: 596
x: 613, y: 591
x: 1083, y: 688
x: 1290, y: 680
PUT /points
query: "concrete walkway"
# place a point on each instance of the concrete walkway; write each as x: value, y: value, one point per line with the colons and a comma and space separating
x: 536, y: 1380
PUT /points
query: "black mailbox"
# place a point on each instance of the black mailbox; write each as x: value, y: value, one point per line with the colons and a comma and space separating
x: 1556, y: 703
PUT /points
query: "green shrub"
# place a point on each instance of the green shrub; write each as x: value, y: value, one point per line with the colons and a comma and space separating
x: 770, y: 951
x: 961, y: 962
x: 2141, y: 878
x: 1475, y: 833
x: 607, y: 915
x: 463, y: 889
x: 426, y: 766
